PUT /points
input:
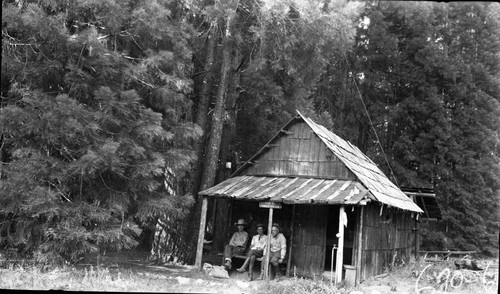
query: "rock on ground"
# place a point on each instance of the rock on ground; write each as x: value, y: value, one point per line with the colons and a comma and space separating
x: 182, y: 280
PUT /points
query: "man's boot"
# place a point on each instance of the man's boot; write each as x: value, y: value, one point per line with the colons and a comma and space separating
x: 277, y: 273
x: 227, y: 264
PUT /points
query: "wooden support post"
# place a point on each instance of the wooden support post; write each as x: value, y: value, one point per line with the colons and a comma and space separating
x: 425, y: 207
x: 230, y: 219
x: 340, y: 250
x: 289, y: 264
x: 214, y: 213
x: 268, y: 247
x: 417, y: 241
x: 201, y: 233
x: 359, y: 256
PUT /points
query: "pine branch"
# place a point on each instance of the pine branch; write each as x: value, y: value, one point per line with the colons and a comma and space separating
x: 144, y: 82
x: 200, y: 73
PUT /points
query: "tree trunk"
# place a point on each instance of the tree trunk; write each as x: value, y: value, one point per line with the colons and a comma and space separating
x: 218, y: 115
x: 222, y: 207
x: 203, y: 106
x: 213, y: 147
x: 201, y: 114
x: 343, y: 94
x: 185, y: 246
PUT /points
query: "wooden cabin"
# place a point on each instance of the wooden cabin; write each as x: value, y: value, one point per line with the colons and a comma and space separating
x: 339, y: 212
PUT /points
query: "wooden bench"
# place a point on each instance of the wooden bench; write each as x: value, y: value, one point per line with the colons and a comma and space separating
x: 242, y: 257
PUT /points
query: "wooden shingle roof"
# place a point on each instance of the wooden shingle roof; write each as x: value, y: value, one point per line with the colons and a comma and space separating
x: 367, y: 172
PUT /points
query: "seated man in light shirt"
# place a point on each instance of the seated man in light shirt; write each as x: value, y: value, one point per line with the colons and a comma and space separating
x: 256, y: 250
x: 237, y: 245
x: 278, y: 251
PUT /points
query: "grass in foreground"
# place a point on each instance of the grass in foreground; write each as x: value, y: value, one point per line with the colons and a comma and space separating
x: 434, y: 277
x: 93, y: 279
x: 120, y: 280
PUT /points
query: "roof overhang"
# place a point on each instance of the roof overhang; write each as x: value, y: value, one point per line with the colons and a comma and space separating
x: 425, y: 198
x: 290, y: 190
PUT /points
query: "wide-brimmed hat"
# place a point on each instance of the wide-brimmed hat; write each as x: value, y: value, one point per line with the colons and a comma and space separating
x: 241, y: 221
x: 260, y: 226
x: 277, y: 226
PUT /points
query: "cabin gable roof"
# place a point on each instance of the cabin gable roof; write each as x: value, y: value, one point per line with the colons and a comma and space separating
x: 332, y: 160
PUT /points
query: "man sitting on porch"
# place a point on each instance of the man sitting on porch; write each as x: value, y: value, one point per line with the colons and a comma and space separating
x: 278, y: 251
x: 237, y: 245
x: 256, y: 250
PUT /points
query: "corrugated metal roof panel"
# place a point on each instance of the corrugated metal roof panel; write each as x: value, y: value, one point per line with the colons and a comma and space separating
x: 289, y: 190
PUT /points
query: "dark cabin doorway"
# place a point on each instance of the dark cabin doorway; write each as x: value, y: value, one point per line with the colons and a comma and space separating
x: 332, y: 229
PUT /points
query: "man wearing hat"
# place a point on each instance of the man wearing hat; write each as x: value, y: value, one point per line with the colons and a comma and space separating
x: 237, y: 245
x: 277, y: 252
x: 257, y: 246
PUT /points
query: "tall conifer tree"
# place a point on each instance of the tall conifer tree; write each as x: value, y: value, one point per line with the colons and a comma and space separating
x: 95, y: 123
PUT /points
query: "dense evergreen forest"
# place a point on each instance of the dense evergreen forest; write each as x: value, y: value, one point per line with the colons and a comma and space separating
x: 116, y: 111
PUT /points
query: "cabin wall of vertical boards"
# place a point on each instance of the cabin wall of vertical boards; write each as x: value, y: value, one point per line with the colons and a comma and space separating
x: 301, y: 153
x: 309, y: 239
x: 388, y: 239
x: 315, y: 241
